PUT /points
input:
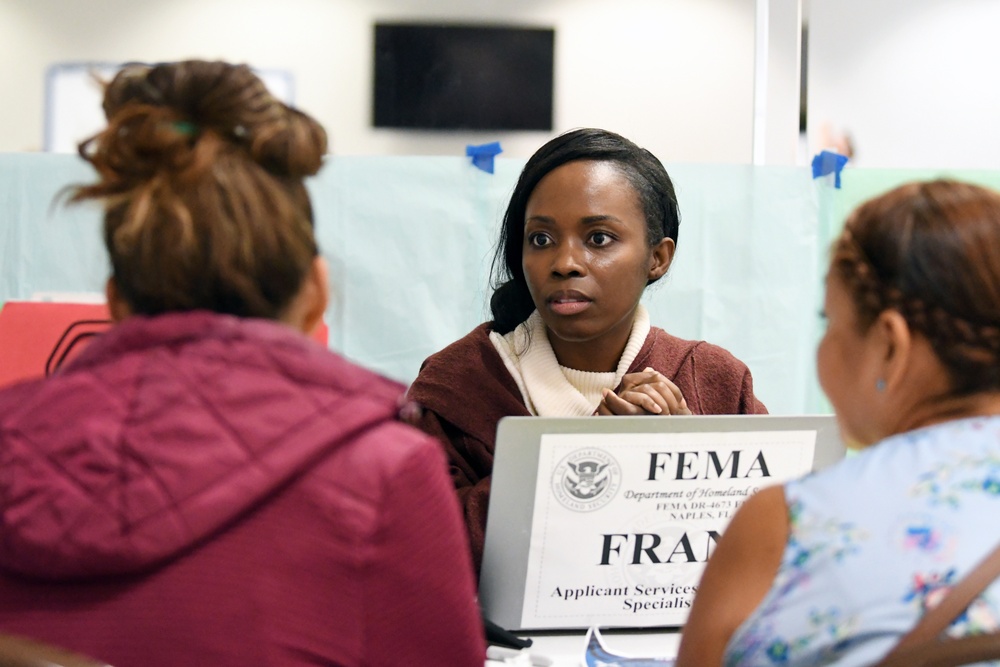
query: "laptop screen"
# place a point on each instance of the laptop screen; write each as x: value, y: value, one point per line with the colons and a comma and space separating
x: 608, y: 521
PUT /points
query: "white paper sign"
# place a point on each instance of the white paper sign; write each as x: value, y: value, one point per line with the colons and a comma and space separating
x: 622, y: 529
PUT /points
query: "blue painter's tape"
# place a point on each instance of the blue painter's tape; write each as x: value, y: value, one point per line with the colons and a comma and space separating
x: 482, y: 155
x: 828, y: 162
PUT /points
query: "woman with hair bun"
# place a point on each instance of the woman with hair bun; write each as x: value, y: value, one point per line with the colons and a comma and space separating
x: 592, y: 221
x: 835, y: 568
x: 204, y: 485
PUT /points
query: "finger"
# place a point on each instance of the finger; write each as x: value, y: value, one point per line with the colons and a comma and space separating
x: 649, y: 398
x: 632, y: 380
x: 653, y: 399
x: 661, y: 393
x: 658, y: 387
x: 617, y: 405
x: 674, y: 390
x: 409, y: 411
x: 673, y: 394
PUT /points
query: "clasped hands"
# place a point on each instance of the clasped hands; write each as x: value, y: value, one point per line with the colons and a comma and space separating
x: 647, y: 392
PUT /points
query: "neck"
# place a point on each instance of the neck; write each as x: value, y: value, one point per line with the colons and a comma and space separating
x: 601, y: 353
x: 580, y: 358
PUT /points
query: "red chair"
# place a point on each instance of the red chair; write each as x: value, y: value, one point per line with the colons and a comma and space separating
x: 36, y: 338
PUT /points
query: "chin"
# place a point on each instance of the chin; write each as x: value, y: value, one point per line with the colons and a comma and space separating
x: 852, y: 441
x: 571, y: 334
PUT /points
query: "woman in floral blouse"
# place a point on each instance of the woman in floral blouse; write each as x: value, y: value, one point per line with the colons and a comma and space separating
x: 835, y: 568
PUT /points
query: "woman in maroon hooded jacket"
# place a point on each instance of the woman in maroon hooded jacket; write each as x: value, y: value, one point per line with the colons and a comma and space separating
x: 204, y: 485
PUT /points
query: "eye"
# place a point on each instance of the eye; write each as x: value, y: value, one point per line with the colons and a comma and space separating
x: 601, y: 239
x: 539, y: 240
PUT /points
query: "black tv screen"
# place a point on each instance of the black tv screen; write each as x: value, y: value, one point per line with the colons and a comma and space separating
x: 432, y: 76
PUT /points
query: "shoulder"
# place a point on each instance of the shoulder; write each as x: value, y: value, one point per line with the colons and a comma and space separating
x: 708, y: 355
x: 898, y: 471
x: 468, y: 386
x: 391, y: 451
x: 23, y: 396
x: 675, y: 356
x: 712, y: 379
x: 470, y: 345
x: 286, y: 357
x: 673, y: 351
x: 737, y: 577
x: 755, y: 538
x: 469, y: 363
x: 369, y: 461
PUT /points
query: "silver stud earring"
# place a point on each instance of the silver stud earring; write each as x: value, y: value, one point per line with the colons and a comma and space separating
x: 880, y: 385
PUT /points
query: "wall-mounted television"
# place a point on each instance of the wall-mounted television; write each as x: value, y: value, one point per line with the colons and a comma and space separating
x: 463, y: 77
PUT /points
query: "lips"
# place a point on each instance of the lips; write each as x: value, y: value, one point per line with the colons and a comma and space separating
x: 568, y: 302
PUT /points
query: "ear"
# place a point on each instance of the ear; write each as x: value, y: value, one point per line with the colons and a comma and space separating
x: 319, y: 276
x: 117, y: 306
x: 895, y: 347
x: 307, y: 308
x: 660, y: 259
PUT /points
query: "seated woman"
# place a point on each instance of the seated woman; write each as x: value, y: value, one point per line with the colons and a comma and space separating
x: 204, y: 485
x: 835, y: 568
x: 592, y: 221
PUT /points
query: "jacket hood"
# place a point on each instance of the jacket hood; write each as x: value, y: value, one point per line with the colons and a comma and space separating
x: 162, y: 433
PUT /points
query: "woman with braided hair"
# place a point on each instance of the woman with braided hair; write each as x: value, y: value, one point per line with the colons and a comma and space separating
x: 205, y: 485
x: 835, y: 568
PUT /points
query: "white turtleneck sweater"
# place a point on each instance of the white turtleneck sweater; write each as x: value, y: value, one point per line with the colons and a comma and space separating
x: 551, y: 390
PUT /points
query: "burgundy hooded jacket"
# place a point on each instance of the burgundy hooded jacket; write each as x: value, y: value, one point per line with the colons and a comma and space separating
x: 199, y: 489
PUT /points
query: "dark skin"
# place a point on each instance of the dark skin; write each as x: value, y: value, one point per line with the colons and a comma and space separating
x: 587, y: 261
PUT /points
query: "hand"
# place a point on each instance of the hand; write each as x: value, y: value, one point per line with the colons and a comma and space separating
x: 408, y: 411
x: 648, y: 392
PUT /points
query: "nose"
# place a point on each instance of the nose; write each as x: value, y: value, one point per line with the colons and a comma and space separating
x: 568, y: 260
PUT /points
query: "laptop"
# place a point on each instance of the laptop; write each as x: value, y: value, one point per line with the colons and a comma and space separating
x: 607, y: 521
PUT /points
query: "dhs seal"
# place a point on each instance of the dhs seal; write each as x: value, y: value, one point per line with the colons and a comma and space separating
x: 586, y: 479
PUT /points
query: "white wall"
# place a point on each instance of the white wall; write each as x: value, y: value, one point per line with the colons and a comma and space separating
x: 673, y: 75
x: 913, y: 81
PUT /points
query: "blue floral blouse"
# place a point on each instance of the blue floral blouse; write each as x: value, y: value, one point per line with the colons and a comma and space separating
x: 874, y: 542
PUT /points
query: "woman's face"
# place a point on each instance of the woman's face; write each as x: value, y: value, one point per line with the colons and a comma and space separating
x: 845, y: 365
x: 586, y: 261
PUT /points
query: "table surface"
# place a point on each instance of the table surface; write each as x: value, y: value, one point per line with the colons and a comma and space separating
x: 566, y: 649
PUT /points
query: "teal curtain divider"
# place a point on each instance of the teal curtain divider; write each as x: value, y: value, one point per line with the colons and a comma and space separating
x: 410, y: 241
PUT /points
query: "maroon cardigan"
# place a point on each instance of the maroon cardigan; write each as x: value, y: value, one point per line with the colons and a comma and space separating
x: 465, y: 389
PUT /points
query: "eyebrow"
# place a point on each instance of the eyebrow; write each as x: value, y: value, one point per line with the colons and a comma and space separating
x: 588, y: 220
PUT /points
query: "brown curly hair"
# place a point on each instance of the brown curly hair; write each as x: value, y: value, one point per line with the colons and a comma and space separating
x: 201, y: 174
x: 931, y: 251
